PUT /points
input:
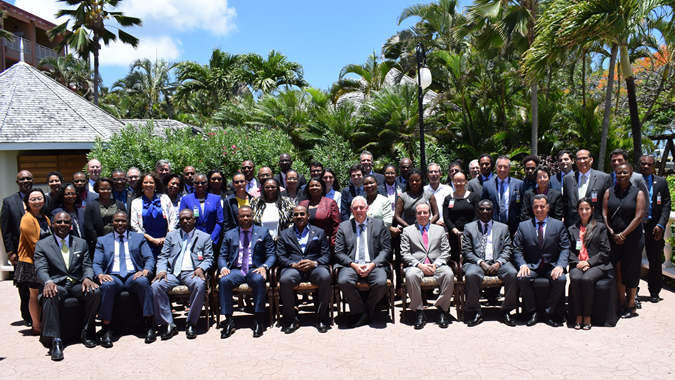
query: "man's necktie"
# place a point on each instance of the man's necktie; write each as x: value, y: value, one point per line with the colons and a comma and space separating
x: 362, y: 244
x: 540, y: 233
x: 425, y: 240
x: 583, y: 186
x: 245, y: 253
x: 123, y: 258
x: 502, y: 203
x: 485, y: 235
x: 650, y: 186
x: 179, y: 262
x: 65, y: 252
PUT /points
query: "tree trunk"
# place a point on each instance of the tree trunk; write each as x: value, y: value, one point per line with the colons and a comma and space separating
x: 635, y: 127
x: 608, y: 109
x: 97, y: 47
x: 535, y: 119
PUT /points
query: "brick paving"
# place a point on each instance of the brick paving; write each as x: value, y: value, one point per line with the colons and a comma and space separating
x: 639, y: 348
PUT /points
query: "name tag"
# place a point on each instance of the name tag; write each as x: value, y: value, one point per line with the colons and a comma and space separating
x: 451, y: 204
x: 594, y: 196
x: 517, y: 197
x: 195, y: 211
x: 658, y: 198
x: 579, y: 245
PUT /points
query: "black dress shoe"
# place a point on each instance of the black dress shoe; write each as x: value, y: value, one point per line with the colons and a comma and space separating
x: 57, y: 350
x: 27, y: 323
x: 170, y: 332
x: 89, y: 343
x: 534, y: 319
x: 228, y: 329
x: 654, y: 298
x: 638, y: 304
x: 359, y: 320
x: 290, y: 327
x: 507, y: 319
x: 477, y: 320
x: 322, y: 327
x: 550, y: 321
x: 421, y: 320
x: 106, y: 341
x: 629, y: 313
x: 150, y: 336
x: 443, y: 319
x: 258, y: 329
x: 190, y: 332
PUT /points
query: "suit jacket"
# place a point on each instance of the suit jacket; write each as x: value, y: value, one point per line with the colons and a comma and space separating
x: 475, y: 185
x: 201, y: 251
x: 231, y: 210
x: 49, y: 263
x: 348, y: 193
x: 660, y: 212
x: 93, y: 222
x: 555, y: 203
x: 598, y: 247
x: 80, y: 224
x: 301, y: 180
x: 556, y: 182
x: 211, y: 219
x: 289, y: 252
x: 327, y: 217
x: 379, y: 178
x: 472, y: 243
x: 262, y: 249
x: 598, y: 182
x: 13, y: 209
x: 491, y: 192
x: 139, y: 251
x: 379, y: 246
x: 556, y: 248
x: 413, y: 251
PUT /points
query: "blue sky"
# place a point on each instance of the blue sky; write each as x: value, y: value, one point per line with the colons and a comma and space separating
x: 323, y: 36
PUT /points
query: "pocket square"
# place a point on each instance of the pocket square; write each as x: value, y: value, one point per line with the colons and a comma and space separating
x: 259, y: 239
x: 315, y: 238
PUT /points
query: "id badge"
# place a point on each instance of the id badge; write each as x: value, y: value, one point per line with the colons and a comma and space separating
x: 517, y: 197
x: 594, y: 196
x: 579, y: 245
x: 658, y: 198
x: 451, y: 204
x: 196, y: 212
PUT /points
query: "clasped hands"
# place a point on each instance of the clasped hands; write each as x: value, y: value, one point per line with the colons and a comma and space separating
x: 363, y: 270
x: 427, y: 269
x: 304, y: 265
x: 490, y: 270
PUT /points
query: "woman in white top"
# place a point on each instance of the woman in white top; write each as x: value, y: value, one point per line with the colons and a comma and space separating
x: 332, y: 186
x: 379, y: 206
x: 272, y: 210
x: 152, y: 213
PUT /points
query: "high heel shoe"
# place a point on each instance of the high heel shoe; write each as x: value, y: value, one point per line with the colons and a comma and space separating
x: 629, y: 313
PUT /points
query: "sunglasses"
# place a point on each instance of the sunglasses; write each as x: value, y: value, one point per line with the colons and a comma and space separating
x: 200, y: 183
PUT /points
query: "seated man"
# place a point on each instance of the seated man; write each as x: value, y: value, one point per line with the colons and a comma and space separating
x: 362, y: 249
x: 186, y: 256
x: 541, y: 248
x: 486, y: 249
x: 247, y: 253
x: 425, y: 251
x: 304, y: 254
x: 123, y: 261
x: 63, y: 265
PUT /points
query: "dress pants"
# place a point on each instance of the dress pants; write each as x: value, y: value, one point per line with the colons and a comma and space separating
x: 582, y: 288
x: 291, y: 277
x: 654, y: 250
x: 527, y: 290
x: 445, y: 278
x: 233, y: 280
x: 473, y: 277
x: 377, y: 279
x: 140, y: 286
x: 162, y: 305
x: 51, y: 319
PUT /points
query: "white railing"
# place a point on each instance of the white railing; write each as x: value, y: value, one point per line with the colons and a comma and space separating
x: 43, y: 51
x: 15, y: 44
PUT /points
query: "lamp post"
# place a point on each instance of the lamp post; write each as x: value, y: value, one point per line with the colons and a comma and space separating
x: 423, y: 81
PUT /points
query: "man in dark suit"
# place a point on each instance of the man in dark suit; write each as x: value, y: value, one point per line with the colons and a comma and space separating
x: 355, y: 188
x: 80, y: 181
x: 367, y: 160
x: 541, y: 248
x: 120, y: 191
x: 565, y: 165
x: 486, y: 164
x: 123, y: 261
x: 186, y: 257
x: 530, y: 163
x: 13, y: 209
x: 425, y: 252
x: 505, y: 194
x: 206, y: 208
x: 285, y: 163
x: 658, y: 212
x: 94, y: 171
x: 303, y: 254
x: 486, y: 248
x: 362, y: 251
x: 404, y: 167
x: 189, y: 173
x: 584, y: 182
x: 63, y: 266
x: 246, y: 255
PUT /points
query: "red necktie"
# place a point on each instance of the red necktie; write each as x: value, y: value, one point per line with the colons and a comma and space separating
x: 425, y: 239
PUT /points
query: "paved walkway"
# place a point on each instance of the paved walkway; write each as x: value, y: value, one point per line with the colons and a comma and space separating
x: 638, y: 348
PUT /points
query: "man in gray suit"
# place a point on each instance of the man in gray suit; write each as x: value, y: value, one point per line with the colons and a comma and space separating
x: 187, y: 255
x: 63, y: 266
x: 362, y: 250
x: 486, y: 248
x: 585, y: 182
x: 425, y: 252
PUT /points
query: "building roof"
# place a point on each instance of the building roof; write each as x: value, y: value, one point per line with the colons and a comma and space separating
x: 160, y: 125
x: 34, y: 108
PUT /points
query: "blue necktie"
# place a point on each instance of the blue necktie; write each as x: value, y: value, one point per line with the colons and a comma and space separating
x: 245, y: 253
x: 123, y: 258
x: 650, y: 186
x: 502, y: 203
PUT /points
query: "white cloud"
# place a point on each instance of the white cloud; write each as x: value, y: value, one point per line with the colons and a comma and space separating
x: 45, y: 9
x: 160, y: 47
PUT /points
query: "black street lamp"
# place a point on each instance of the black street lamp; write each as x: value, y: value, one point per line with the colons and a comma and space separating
x: 423, y: 81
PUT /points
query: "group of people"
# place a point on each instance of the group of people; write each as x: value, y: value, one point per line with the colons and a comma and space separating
x: 94, y: 236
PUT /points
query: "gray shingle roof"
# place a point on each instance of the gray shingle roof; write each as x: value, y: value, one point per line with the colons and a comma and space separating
x: 36, y: 109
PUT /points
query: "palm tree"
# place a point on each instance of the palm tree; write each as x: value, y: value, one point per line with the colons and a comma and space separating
x: 89, y: 29
x: 568, y: 24
x: 268, y: 75
x: 372, y: 75
x: 71, y: 72
x: 4, y: 33
x: 153, y: 83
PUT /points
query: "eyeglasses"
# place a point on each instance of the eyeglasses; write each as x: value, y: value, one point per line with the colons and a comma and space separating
x: 62, y: 222
x: 200, y: 183
x: 36, y: 199
x: 459, y: 181
x: 404, y: 167
x: 133, y: 177
x: 299, y: 214
x: 216, y: 179
x: 79, y: 181
x: 246, y: 167
x: 118, y: 180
